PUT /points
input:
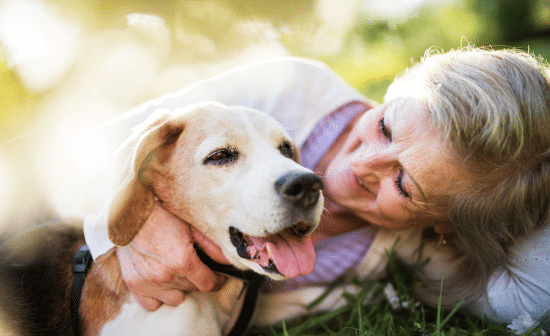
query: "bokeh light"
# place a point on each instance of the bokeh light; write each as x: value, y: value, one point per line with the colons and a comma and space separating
x: 68, y: 66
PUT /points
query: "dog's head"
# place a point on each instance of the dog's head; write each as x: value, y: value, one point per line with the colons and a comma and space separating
x: 231, y: 172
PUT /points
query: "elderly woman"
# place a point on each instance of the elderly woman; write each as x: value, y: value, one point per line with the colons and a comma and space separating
x: 457, y: 160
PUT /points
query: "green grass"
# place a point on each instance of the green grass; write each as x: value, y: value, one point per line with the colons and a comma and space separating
x: 357, y: 319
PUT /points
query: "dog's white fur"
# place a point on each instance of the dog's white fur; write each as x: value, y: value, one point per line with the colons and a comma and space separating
x: 167, y: 161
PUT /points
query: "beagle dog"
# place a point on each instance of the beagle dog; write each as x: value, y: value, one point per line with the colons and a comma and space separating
x: 231, y: 172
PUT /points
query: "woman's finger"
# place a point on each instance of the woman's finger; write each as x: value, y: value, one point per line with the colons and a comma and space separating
x: 208, y: 246
x: 202, y: 277
x: 148, y: 303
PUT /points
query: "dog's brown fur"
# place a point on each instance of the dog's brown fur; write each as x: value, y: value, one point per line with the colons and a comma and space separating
x: 103, y: 288
x: 36, y: 279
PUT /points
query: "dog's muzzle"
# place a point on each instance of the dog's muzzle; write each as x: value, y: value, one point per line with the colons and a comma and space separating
x: 290, y: 251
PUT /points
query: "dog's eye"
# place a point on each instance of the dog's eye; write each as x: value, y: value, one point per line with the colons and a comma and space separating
x: 222, y: 156
x: 286, y: 149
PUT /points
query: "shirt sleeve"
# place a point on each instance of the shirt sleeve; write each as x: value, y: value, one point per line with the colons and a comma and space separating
x: 296, y: 92
x: 523, y: 285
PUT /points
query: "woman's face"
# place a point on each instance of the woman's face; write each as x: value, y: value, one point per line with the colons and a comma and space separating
x: 391, y: 165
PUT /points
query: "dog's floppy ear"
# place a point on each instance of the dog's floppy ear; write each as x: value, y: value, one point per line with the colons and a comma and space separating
x: 133, y: 200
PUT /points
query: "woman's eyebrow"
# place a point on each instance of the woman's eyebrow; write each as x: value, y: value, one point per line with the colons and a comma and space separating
x: 425, y: 199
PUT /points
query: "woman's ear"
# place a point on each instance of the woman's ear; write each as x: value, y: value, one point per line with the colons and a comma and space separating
x: 133, y: 200
x: 443, y: 228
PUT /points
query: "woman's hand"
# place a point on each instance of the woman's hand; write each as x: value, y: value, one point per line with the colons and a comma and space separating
x: 161, y: 264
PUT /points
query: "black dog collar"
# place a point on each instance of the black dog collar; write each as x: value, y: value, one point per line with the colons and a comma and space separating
x: 253, y: 282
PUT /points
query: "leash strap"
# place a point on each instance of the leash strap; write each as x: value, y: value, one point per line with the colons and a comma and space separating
x: 253, y: 282
x: 81, y: 265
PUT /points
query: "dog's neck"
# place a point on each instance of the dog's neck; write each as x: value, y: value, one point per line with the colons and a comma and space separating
x: 105, y: 288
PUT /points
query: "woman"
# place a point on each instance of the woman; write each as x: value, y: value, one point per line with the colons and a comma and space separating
x: 456, y: 160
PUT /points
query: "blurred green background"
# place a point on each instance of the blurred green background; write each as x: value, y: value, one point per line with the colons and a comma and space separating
x: 117, y: 64
x: 367, y: 44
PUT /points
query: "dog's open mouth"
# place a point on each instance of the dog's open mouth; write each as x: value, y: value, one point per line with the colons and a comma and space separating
x: 290, y: 252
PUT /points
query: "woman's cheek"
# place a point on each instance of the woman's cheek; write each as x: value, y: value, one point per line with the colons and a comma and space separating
x: 333, y: 176
x: 392, y: 211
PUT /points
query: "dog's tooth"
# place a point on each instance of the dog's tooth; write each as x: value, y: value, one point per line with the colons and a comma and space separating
x: 300, y: 229
x: 247, y: 241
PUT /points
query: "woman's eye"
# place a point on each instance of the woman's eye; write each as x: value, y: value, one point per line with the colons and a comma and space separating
x: 286, y: 149
x: 222, y: 156
x: 383, y: 129
x: 400, y: 187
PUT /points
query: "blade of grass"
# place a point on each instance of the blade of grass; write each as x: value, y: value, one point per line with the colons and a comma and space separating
x: 320, y: 298
x: 330, y: 288
x: 359, y: 316
x: 318, y: 319
x: 285, y: 332
x: 453, y: 311
x: 272, y: 330
x: 438, y: 319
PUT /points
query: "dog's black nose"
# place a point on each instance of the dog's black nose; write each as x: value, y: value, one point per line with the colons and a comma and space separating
x: 301, y: 188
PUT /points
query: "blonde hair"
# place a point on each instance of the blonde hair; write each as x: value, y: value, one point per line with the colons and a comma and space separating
x: 493, y: 109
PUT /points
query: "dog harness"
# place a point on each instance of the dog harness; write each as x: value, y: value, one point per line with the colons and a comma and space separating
x: 82, y: 262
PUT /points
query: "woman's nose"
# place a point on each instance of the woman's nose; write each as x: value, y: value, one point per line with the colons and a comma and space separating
x: 374, y: 160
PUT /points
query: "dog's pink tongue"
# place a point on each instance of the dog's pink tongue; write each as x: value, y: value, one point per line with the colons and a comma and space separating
x: 293, y: 256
